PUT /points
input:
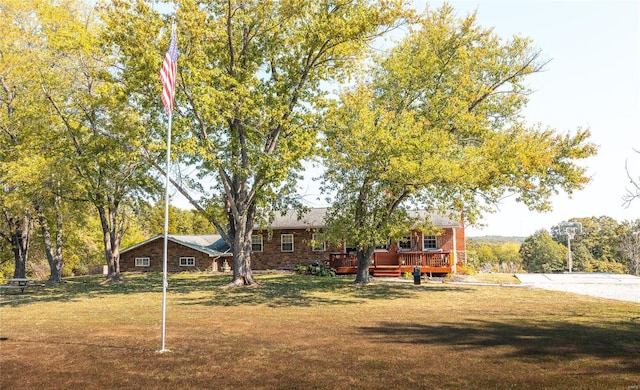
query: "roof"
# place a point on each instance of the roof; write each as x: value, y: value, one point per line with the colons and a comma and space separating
x: 211, y: 244
x: 438, y: 220
x: 314, y: 218
x: 292, y: 219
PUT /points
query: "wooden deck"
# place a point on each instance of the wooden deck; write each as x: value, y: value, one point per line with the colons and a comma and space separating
x: 387, y: 264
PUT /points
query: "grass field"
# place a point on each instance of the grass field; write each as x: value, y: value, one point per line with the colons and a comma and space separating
x: 302, y: 332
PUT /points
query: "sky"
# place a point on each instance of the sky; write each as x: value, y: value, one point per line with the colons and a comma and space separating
x: 592, y: 81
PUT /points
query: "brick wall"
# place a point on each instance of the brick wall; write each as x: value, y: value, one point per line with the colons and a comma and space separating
x: 272, y: 256
x: 154, y: 251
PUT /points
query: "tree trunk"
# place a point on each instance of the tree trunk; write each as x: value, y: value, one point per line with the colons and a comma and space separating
x: 239, y: 235
x: 112, y: 236
x: 242, y: 275
x: 364, y: 260
x: 21, y: 231
x: 58, y: 259
x: 55, y: 260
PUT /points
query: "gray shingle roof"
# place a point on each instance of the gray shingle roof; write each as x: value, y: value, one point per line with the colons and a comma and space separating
x: 211, y: 244
x: 314, y: 218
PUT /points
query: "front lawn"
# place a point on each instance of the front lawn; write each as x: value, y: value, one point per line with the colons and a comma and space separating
x: 304, y: 332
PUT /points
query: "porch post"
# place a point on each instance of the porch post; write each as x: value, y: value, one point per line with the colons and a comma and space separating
x: 455, y: 252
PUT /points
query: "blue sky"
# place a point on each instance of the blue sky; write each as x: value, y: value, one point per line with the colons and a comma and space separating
x: 592, y: 80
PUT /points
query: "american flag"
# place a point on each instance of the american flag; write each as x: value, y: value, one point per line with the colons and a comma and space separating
x: 168, y: 73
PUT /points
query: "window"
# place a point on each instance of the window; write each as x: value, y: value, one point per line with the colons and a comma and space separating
x: 404, y: 243
x: 142, y: 261
x: 318, y: 242
x: 187, y: 262
x: 286, y: 242
x: 429, y: 242
x: 256, y: 242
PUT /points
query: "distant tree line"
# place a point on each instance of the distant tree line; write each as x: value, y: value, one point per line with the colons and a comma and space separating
x: 605, y: 245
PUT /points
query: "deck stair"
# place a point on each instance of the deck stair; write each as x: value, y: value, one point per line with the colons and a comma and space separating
x: 387, y: 272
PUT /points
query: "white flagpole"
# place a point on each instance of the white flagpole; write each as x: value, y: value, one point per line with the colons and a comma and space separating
x: 168, y: 77
x: 165, y: 283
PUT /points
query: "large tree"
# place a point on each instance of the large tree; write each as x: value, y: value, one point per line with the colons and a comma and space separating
x: 437, y: 125
x: 89, y: 132
x: 251, y: 77
x: 22, y: 118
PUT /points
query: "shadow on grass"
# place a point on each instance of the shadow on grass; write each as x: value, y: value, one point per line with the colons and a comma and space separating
x: 275, y: 290
x: 552, y: 341
x: 304, y: 291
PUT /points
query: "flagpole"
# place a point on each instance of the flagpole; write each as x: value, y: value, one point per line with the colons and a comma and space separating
x: 168, y: 78
x: 165, y: 282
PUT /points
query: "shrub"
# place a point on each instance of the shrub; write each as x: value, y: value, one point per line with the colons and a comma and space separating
x: 317, y: 269
x: 464, y: 270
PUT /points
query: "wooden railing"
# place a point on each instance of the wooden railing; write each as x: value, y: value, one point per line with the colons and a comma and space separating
x: 425, y: 259
x: 342, y: 260
x: 402, y: 259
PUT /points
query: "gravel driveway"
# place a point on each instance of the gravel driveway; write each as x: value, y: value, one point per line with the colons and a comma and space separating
x: 611, y: 286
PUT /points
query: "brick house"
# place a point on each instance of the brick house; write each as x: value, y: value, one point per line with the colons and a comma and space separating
x: 294, y: 239
x: 184, y: 253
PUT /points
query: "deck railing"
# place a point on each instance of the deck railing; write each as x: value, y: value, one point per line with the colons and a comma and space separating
x: 425, y: 259
x: 337, y: 260
x: 402, y: 259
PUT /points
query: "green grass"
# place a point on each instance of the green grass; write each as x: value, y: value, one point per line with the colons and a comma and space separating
x: 313, y: 333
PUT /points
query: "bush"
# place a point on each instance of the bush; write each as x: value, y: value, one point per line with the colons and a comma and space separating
x: 464, y: 270
x: 316, y: 269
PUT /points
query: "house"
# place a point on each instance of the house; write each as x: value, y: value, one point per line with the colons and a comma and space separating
x: 184, y: 253
x: 432, y: 253
x: 291, y: 240
x: 294, y: 239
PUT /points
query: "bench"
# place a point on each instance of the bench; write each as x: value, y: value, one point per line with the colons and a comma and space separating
x: 7, y: 287
x: 20, y: 283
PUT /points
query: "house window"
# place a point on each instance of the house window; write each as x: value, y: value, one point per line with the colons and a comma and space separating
x: 286, y: 242
x: 256, y: 242
x: 187, y: 262
x: 429, y: 242
x: 404, y: 243
x: 142, y: 261
x: 318, y: 242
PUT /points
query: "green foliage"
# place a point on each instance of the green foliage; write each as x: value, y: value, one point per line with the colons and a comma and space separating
x: 315, y: 269
x: 607, y: 266
x: 581, y: 258
x: 540, y: 253
x: 601, y: 246
x: 436, y: 125
x: 630, y: 245
x: 150, y: 219
x: 63, y: 94
x: 493, y: 255
x: 252, y: 78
